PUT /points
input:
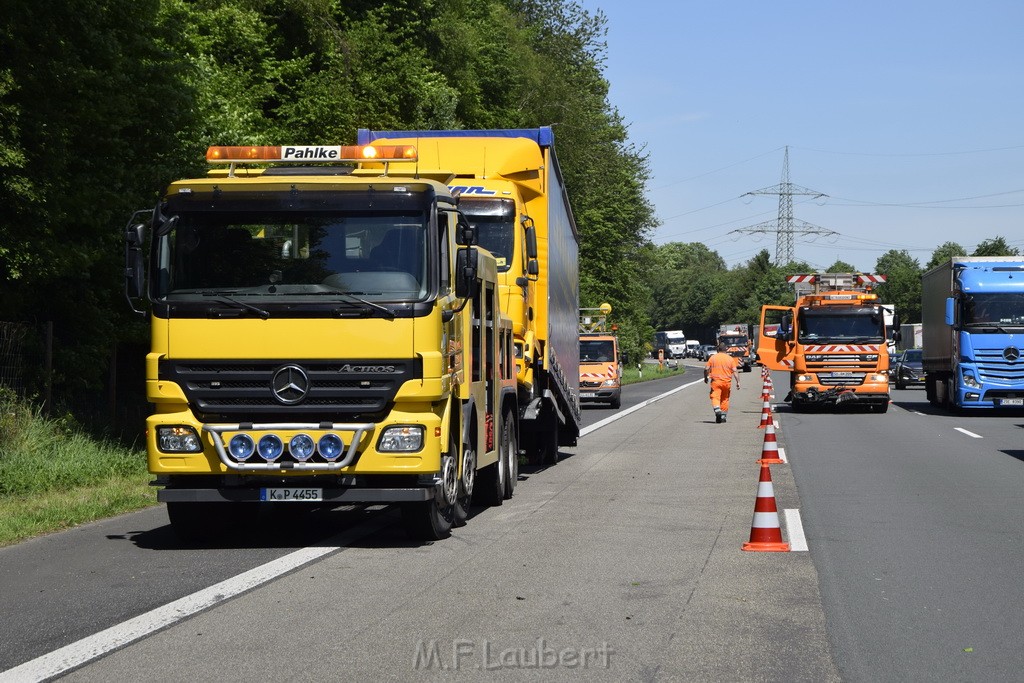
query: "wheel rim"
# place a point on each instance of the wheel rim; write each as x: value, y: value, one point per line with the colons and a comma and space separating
x: 468, y: 471
x: 449, y: 480
x: 513, y: 458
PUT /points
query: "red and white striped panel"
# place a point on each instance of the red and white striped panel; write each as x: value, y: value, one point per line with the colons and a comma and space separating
x: 841, y: 348
x: 865, y: 278
x: 792, y: 279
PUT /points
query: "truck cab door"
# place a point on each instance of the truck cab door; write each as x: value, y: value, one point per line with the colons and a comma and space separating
x: 775, y: 348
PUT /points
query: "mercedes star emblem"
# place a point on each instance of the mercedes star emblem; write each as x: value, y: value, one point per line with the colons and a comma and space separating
x: 290, y: 384
x: 1011, y: 353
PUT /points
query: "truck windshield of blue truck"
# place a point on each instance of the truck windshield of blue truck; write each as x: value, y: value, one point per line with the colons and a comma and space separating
x: 851, y: 325
x: 993, y: 310
x: 247, y: 251
x: 494, y: 220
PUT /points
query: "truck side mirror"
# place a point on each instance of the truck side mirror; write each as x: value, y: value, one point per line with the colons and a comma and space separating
x: 466, y: 282
x: 950, y: 311
x: 134, y: 263
x: 785, y: 327
x: 465, y: 234
x: 532, y: 267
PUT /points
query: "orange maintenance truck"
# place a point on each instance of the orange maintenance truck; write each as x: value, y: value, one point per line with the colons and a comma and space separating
x: 600, y: 370
x: 833, y: 341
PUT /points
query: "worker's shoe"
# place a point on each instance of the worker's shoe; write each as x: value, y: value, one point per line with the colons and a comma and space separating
x: 719, y: 417
x: 723, y: 417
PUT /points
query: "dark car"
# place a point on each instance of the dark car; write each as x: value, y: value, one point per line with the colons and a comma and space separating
x: 908, y: 370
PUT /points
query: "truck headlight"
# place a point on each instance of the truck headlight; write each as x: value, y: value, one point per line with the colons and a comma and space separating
x: 403, y: 439
x: 178, y: 439
x: 330, y: 446
x: 270, y: 447
x: 805, y: 378
x: 301, y: 447
x: 611, y: 382
x: 881, y: 377
x: 969, y: 379
x: 241, y: 447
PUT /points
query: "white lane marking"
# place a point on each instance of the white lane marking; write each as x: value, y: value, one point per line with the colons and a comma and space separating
x: 62, y: 660
x: 795, y: 530
x: 970, y: 434
x: 782, y: 454
x: 618, y: 416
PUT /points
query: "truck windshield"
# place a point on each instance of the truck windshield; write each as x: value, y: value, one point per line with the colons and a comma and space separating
x: 597, y: 351
x: 850, y: 326
x: 994, y: 310
x: 373, y: 256
x: 494, y: 220
x: 734, y: 339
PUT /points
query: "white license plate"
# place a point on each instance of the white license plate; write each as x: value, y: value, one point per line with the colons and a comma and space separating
x: 842, y: 374
x: 290, y: 495
x: 588, y: 394
x: 1012, y: 402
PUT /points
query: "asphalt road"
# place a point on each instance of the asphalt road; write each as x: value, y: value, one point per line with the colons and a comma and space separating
x: 623, y: 560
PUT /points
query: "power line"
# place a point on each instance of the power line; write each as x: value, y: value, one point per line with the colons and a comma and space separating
x: 785, y: 226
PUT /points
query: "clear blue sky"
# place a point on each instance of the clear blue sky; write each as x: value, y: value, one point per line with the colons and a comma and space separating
x: 908, y: 114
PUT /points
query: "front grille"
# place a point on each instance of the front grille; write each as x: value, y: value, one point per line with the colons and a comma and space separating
x: 841, y: 381
x: 243, y: 390
x: 994, y: 368
x: 590, y: 385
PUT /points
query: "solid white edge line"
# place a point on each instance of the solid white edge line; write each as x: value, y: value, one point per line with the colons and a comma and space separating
x: 618, y: 416
x: 92, y: 647
x: 970, y: 434
x: 795, y: 530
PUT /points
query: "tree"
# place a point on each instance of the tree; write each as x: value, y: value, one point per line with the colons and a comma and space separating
x: 841, y: 267
x: 902, y: 288
x: 996, y: 246
x: 945, y: 252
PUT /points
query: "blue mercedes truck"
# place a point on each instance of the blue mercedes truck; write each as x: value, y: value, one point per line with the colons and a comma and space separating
x: 972, y: 321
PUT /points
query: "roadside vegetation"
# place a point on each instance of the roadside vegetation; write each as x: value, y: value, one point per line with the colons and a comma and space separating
x: 54, y: 476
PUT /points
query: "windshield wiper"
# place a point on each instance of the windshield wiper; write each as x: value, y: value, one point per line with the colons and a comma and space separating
x: 366, y: 303
x: 240, y: 304
x: 994, y: 326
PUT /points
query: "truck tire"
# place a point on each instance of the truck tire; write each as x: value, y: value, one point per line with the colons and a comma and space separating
x: 548, y: 442
x: 512, y: 477
x: 467, y: 483
x: 432, y: 520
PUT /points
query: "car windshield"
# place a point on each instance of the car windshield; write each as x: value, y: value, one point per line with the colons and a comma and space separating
x: 597, y: 351
x: 912, y: 356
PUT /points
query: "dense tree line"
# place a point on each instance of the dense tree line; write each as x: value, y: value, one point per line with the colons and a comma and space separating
x: 103, y: 102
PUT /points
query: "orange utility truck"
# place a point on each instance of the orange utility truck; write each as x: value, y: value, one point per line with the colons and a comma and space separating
x: 833, y: 342
x: 600, y: 369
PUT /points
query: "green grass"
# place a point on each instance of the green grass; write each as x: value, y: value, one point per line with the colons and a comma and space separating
x: 53, y: 476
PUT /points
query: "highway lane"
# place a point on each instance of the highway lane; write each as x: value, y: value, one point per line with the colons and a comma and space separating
x: 628, y: 548
x: 69, y: 585
x: 914, y: 520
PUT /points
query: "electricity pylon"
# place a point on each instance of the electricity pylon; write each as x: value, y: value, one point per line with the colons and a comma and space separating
x: 786, y: 226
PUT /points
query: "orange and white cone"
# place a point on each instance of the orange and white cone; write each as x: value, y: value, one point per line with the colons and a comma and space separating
x: 765, y: 532
x: 766, y: 415
x: 770, y: 449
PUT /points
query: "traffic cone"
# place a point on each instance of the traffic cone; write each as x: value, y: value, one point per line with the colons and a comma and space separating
x: 766, y: 415
x: 765, y: 532
x: 770, y: 449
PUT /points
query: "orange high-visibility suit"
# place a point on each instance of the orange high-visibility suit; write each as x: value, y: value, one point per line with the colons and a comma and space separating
x: 721, y: 370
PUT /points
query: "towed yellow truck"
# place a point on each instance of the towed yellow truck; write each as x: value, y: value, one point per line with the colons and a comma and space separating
x: 833, y: 342
x: 511, y: 190
x: 325, y: 329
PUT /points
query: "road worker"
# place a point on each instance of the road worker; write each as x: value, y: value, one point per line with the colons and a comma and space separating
x: 721, y: 371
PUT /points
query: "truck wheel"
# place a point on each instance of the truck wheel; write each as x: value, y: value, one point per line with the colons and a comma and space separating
x: 467, y: 482
x: 431, y: 520
x: 880, y: 407
x: 616, y: 402
x: 512, y: 477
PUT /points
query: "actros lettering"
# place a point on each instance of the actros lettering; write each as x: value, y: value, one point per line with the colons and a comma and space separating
x: 366, y: 368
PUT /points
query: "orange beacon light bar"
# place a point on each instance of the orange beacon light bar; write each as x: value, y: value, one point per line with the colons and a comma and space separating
x: 310, y: 153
